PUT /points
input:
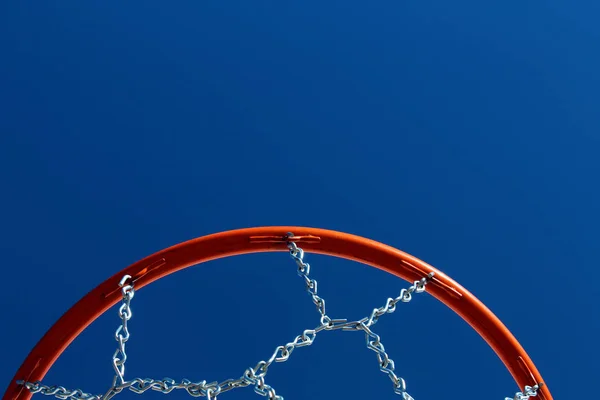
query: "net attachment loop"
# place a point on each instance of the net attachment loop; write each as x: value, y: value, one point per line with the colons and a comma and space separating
x: 285, y: 239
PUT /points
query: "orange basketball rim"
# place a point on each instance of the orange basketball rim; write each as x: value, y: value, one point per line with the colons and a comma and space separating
x: 276, y: 239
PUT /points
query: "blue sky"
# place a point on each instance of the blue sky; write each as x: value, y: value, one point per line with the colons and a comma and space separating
x: 465, y: 133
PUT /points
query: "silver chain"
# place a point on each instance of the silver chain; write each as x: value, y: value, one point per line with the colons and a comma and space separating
x: 57, y: 391
x: 386, y: 364
x: 122, y: 333
x: 530, y: 391
x: 121, y: 336
x: 311, y: 284
x: 252, y: 376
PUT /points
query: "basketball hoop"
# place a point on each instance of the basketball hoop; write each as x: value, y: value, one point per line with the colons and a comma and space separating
x: 122, y: 286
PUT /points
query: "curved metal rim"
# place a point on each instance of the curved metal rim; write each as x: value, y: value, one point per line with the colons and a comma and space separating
x: 270, y: 239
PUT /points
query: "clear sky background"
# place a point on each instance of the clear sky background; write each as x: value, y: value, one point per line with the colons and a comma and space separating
x: 463, y: 132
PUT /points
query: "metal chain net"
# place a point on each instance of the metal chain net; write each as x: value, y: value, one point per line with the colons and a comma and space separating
x: 253, y: 376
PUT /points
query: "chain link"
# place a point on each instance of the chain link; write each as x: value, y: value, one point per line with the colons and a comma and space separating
x: 122, y: 333
x: 252, y: 376
x: 311, y: 284
x: 57, y: 391
x: 530, y: 391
